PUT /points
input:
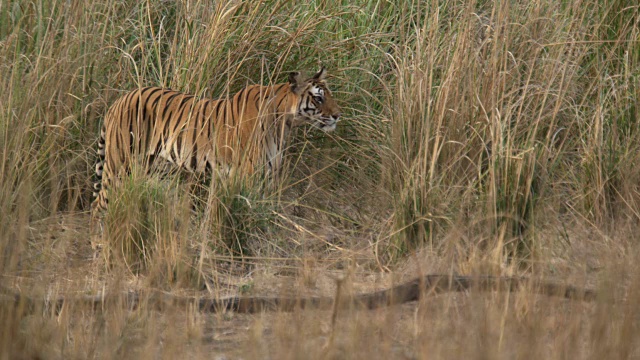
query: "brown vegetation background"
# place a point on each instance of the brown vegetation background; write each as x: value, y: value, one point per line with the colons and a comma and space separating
x: 478, y: 137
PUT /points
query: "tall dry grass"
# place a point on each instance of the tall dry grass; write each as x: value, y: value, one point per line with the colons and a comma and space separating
x: 478, y: 137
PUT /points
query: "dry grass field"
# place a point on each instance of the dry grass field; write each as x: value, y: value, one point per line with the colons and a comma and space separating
x: 477, y: 138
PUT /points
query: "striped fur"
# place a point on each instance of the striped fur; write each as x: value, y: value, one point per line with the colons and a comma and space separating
x: 244, y: 133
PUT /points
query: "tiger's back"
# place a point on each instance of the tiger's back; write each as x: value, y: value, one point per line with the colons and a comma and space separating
x: 246, y: 132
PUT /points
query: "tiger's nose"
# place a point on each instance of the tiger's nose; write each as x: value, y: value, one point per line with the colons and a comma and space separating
x: 336, y: 117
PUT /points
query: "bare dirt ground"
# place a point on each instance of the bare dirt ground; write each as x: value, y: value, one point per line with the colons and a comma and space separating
x: 457, y: 325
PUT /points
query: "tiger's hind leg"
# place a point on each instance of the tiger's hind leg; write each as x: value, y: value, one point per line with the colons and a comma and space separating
x: 98, y: 208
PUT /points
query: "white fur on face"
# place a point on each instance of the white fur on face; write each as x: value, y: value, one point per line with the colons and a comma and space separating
x: 317, y: 91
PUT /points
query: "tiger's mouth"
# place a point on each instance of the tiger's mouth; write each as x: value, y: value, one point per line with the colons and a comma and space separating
x: 325, y: 123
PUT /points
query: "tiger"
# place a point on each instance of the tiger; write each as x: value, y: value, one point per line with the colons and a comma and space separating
x: 245, y: 132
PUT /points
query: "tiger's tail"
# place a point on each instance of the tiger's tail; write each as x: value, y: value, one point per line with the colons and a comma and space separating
x: 97, y: 186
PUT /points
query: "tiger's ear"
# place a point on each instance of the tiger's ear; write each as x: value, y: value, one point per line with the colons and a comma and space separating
x: 319, y: 76
x: 298, y: 85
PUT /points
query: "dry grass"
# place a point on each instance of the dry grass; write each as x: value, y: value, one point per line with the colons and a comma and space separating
x: 478, y: 138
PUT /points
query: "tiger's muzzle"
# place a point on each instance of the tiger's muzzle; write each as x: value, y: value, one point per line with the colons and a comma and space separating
x: 328, y: 123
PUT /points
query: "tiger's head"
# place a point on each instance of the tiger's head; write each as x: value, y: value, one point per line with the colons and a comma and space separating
x: 315, y: 105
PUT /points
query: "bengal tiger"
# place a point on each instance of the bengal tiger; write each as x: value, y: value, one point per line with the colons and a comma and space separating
x: 246, y: 132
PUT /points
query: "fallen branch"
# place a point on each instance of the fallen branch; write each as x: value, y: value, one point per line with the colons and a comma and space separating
x: 410, y: 291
